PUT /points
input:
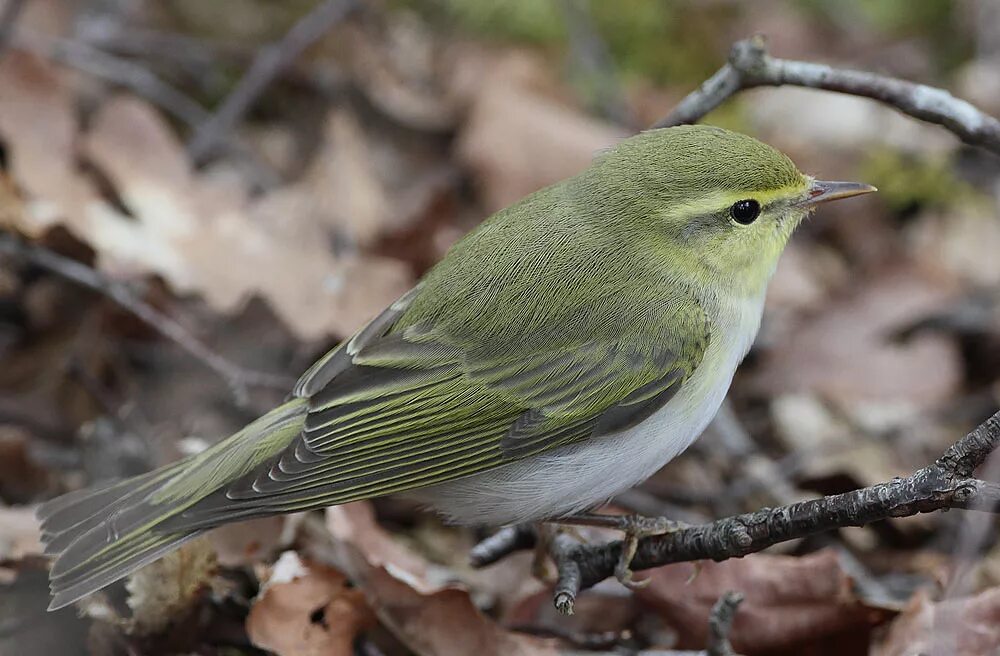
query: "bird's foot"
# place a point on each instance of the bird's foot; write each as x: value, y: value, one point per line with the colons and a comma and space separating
x: 635, y: 527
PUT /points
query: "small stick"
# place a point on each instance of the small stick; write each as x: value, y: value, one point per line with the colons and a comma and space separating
x: 266, y: 66
x: 237, y: 378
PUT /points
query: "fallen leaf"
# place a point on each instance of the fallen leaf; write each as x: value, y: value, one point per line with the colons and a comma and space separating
x: 963, y: 242
x: 849, y: 352
x: 307, y: 609
x: 517, y: 141
x: 202, y: 233
x: 826, y: 444
x: 19, y: 533
x: 429, y: 618
x: 38, y: 129
x: 244, y: 543
x: 346, y: 191
x: 789, y: 602
x: 22, y: 479
x: 395, y: 69
x: 968, y: 626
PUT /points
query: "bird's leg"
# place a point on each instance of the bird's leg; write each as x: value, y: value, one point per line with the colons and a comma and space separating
x: 634, y: 527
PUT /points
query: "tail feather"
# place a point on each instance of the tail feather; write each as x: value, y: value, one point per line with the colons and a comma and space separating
x: 67, y: 518
x: 68, y: 589
x: 103, y: 534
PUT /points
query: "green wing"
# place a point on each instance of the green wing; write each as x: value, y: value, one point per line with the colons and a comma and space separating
x: 395, y: 409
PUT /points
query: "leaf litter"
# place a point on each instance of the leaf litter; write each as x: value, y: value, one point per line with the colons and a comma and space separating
x: 410, y: 137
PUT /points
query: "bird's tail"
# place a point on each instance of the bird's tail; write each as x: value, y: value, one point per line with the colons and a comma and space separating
x: 104, y: 533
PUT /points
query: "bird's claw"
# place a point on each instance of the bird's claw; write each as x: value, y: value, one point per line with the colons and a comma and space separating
x: 636, y: 527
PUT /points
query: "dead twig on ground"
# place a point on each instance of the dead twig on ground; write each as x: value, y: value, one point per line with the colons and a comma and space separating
x: 142, y: 82
x: 267, y: 65
x: 237, y: 378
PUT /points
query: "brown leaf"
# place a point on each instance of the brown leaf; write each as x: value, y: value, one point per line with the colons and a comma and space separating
x: 19, y: 533
x: 849, y: 353
x: 345, y: 188
x: 307, y: 609
x: 248, y: 542
x: 429, y: 618
x: 202, y: 233
x: 789, y: 601
x: 969, y: 626
x: 516, y: 140
x: 21, y: 478
x: 39, y: 130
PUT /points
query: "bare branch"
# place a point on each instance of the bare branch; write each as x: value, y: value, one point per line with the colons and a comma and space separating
x: 237, y: 378
x: 947, y: 483
x: 268, y: 64
x: 751, y: 66
x: 92, y: 61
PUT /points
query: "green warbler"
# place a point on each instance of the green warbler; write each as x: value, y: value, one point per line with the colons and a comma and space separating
x: 562, y: 352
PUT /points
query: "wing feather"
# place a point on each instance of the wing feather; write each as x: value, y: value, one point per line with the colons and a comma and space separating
x: 402, y: 407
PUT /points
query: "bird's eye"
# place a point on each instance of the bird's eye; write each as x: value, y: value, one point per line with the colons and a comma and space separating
x: 745, y: 211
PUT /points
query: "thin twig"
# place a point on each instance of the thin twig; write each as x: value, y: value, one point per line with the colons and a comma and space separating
x: 92, y: 61
x: 505, y: 541
x: 947, y: 483
x: 8, y: 21
x: 237, y: 378
x: 267, y: 65
x: 751, y: 66
x: 720, y: 623
x: 141, y: 81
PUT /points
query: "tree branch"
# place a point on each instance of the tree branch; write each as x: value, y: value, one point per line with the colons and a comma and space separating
x: 947, y: 483
x: 751, y: 66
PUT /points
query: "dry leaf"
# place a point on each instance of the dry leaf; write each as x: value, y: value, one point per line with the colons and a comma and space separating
x: 789, y: 601
x: 849, y: 352
x: 430, y: 619
x: 22, y: 479
x: 347, y: 191
x: 827, y: 444
x: 19, y: 533
x: 307, y: 609
x: 201, y: 233
x: 248, y: 542
x: 969, y: 626
x: 516, y: 140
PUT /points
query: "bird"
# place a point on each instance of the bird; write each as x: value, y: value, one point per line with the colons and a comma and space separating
x: 561, y: 352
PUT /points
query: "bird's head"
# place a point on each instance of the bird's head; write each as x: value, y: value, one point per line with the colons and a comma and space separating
x: 718, y: 204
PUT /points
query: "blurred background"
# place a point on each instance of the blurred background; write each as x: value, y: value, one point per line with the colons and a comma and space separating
x: 199, y: 198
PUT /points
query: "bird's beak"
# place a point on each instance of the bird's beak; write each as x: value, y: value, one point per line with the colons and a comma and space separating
x: 821, y: 192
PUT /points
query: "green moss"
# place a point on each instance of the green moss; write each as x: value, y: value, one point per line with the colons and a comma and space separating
x: 659, y: 40
x: 905, y: 182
